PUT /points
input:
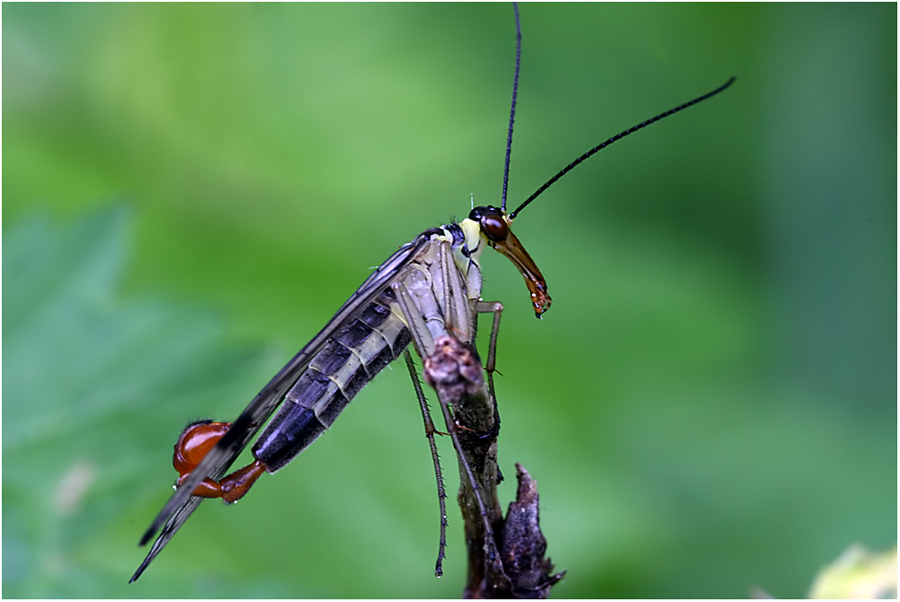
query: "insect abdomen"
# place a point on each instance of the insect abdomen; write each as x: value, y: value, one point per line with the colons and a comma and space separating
x: 336, y: 374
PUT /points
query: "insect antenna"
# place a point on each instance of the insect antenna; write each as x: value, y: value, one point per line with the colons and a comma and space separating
x: 512, y: 110
x: 603, y: 145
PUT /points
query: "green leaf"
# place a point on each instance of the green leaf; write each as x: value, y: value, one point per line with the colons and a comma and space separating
x: 91, y: 385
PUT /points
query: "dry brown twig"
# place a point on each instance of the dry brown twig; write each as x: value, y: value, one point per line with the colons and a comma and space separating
x: 506, y: 554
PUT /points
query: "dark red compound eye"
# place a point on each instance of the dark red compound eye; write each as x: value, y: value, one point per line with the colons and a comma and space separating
x: 491, y: 221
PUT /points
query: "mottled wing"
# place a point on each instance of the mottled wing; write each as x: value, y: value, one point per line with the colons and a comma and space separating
x: 219, y: 459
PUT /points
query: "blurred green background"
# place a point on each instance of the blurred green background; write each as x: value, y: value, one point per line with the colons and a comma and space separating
x: 191, y: 190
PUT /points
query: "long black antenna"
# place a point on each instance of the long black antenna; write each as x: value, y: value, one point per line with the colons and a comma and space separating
x: 512, y: 110
x: 603, y: 145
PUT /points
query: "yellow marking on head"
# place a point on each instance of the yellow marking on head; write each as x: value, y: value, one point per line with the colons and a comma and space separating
x: 476, y: 241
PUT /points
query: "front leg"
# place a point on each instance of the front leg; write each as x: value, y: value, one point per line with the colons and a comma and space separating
x: 496, y: 308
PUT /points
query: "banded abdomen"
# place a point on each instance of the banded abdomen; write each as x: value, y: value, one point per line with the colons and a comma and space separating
x: 346, y: 364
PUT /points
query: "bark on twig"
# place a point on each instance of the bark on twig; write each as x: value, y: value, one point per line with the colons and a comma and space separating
x: 506, y: 556
x: 523, y: 545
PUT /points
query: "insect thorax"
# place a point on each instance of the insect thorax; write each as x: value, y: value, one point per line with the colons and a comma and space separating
x: 467, y: 242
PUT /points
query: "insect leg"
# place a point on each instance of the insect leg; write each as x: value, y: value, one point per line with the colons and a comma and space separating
x: 496, y: 308
x: 430, y: 287
x: 429, y: 432
x: 455, y: 304
x: 455, y: 372
x: 417, y: 323
x: 476, y: 487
